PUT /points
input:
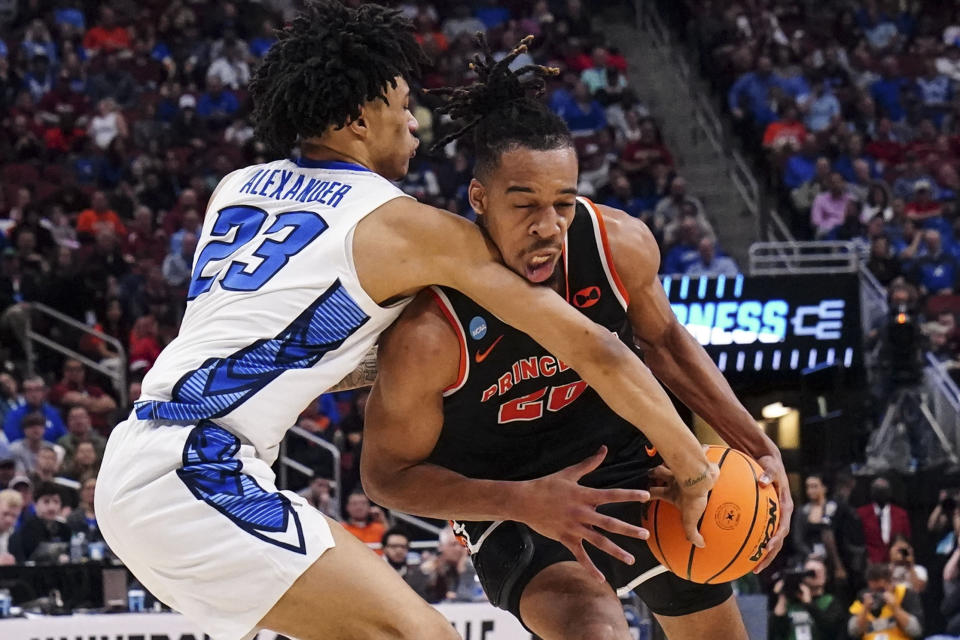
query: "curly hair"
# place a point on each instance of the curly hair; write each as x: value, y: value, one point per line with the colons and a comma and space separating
x: 502, y: 109
x: 326, y: 65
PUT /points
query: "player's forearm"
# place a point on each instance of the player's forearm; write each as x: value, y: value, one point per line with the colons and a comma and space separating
x: 628, y: 387
x: 683, y: 365
x: 432, y: 491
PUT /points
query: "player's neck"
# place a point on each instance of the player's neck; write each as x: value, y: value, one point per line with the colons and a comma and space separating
x: 339, y: 151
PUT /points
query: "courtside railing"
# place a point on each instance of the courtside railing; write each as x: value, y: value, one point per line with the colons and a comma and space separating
x: 51, y: 317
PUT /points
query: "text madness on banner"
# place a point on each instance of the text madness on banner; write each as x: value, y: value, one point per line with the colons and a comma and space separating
x: 776, y: 326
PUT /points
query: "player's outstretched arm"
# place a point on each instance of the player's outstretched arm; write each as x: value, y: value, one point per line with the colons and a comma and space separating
x: 419, y: 358
x: 404, y: 245
x: 682, y: 364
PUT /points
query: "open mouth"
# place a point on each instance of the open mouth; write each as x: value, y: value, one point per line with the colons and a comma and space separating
x: 540, y: 266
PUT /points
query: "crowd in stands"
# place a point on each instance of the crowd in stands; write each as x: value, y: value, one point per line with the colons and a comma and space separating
x: 850, y: 110
x: 118, y: 119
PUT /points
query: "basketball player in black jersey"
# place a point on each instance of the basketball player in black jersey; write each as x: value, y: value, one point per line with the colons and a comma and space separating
x: 471, y: 419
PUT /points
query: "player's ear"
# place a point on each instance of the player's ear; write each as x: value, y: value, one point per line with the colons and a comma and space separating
x: 477, y: 195
x: 359, y: 124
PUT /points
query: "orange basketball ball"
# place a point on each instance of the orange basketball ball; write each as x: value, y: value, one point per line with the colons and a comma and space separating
x: 740, y: 518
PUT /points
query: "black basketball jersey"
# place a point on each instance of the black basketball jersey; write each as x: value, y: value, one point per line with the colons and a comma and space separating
x: 516, y: 412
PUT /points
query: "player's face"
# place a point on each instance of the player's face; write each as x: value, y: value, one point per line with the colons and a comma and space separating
x: 391, y: 142
x: 528, y: 203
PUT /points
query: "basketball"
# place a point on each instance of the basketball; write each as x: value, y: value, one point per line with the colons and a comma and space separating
x: 740, y: 518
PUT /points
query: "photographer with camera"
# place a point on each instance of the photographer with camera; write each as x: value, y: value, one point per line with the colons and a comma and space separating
x: 905, y: 569
x: 804, y: 611
x: 885, y: 611
x: 940, y: 522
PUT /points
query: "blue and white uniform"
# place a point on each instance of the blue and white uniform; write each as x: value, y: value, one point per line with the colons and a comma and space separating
x: 275, y: 316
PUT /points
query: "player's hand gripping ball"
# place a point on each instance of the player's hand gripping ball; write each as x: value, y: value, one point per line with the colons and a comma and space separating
x: 740, y: 518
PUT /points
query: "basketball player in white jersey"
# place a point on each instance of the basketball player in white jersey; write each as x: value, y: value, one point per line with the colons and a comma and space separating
x: 299, y: 267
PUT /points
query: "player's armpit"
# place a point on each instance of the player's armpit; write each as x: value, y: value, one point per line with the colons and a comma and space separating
x: 363, y: 376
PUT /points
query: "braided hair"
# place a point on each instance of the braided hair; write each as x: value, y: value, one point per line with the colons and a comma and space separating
x: 326, y: 65
x: 502, y: 109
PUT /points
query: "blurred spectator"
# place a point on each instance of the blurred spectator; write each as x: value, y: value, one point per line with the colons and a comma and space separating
x: 46, y: 463
x: 877, y: 203
x: 686, y: 251
x: 42, y: 527
x: 949, y: 63
x: 11, y: 504
x: 217, y: 105
x: 787, y: 134
x: 935, y: 92
x: 8, y: 469
x: 750, y: 94
x: 177, y: 265
x: 80, y: 429
x: 923, y: 206
x: 882, y: 521
x: 645, y: 153
x: 808, y: 611
x: 144, y: 346
x: 84, y: 462
x: 801, y: 167
x: 450, y: 575
x: 582, y: 113
x: 889, y: 91
x: 823, y: 109
x: 904, y: 567
x: 75, y: 390
x: 830, y: 207
x: 83, y: 519
x: 461, y: 22
x: 362, y: 520
x: 112, y: 82
x: 231, y: 68
x: 108, y: 124
x: 814, y: 530
x: 35, y: 401
x: 709, y: 264
x: 881, y: 263
x: 27, y: 450
x: 950, y: 606
x: 935, y: 271
x: 10, y: 397
x: 668, y: 209
x: 396, y: 550
x: 885, y: 610
x: 99, y: 216
x: 318, y: 496
x: 107, y: 36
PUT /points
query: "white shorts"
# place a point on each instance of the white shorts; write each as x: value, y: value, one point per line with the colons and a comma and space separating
x: 195, y: 515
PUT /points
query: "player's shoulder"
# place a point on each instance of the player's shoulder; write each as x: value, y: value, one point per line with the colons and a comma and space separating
x: 630, y: 240
x: 422, y: 330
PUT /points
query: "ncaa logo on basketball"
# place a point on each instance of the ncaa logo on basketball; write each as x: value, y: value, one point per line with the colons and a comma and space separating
x: 768, y: 532
x: 727, y: 516
x: 478, y: 328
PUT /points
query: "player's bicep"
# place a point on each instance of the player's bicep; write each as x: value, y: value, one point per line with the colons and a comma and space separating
x: 636, y: 258
x: 418, y: 358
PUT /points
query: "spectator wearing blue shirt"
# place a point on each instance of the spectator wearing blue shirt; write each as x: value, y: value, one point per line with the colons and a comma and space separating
x: 937, y: 271
x: 888, y: 91
x: 844, y: 164
x: 686, y: 252
x: 708, y: 263
x: 35, y: 399
x: 801, y: 167
x: 583, y: 114
x: 750, y: 94
x: 823, y: 109
x: 906, y: 185
x: 259, y: 45
x: 218, y: 105
x: 935, y: 92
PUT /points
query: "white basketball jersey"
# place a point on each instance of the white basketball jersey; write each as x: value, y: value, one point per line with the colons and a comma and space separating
x: 275, y: 313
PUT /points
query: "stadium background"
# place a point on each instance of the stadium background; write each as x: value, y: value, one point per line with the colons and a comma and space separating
x: 789, y: 154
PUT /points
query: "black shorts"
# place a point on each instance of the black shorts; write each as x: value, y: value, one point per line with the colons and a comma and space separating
x: 513, y: 553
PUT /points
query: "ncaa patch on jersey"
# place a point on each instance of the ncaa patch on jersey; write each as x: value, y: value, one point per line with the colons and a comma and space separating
x: 478, y: 328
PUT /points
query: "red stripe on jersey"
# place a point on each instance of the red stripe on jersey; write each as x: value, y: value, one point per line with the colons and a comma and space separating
x: 451, y: 318
x: 606, y: 251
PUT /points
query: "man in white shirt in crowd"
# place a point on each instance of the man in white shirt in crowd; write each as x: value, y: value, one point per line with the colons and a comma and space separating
x: 11, y: 503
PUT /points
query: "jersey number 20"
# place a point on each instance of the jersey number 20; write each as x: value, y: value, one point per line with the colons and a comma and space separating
x: 273, y: 254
